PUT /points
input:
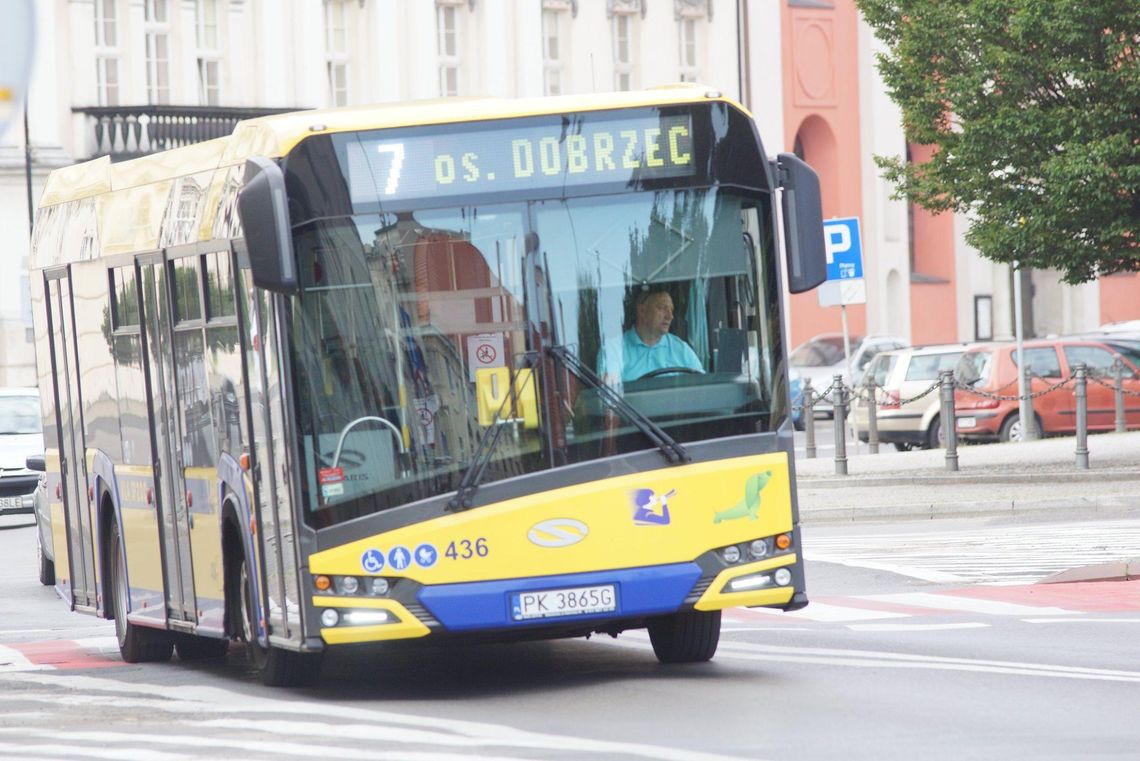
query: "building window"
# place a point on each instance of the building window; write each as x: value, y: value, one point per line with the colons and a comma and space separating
x: 106, y: 53
x: 209, y: 53
x: 623, y: 35
x: 157, y: 27
x: 448, y: 24
x: 553, y: 49
x: 688, y: 47
x: 336, y: 51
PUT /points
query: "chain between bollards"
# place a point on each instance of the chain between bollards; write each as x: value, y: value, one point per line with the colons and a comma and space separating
x: 1080, y: 373
x: 947, y: 421
x: 840, y: 406
x: 809, y: 418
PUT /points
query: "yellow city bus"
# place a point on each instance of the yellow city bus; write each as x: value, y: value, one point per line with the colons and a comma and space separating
x: 487, y: 368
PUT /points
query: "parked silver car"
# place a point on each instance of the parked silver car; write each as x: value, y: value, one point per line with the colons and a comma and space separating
x: 21, y: 436
x: 821, y: 358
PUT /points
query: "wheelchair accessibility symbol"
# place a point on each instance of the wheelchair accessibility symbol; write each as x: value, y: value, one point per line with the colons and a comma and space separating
x: 372, y: 561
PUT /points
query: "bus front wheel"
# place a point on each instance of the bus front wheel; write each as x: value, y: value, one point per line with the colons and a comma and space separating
x: 689, y: 637
x: 275, y: 667
x: 137, y: 644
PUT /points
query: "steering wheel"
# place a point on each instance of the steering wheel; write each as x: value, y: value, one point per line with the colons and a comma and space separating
x: 668, y: 371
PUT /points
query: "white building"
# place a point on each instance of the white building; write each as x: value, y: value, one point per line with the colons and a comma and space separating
x: 126, y: 77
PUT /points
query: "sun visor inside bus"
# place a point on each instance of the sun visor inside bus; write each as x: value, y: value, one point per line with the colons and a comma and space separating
x: 264, y: 211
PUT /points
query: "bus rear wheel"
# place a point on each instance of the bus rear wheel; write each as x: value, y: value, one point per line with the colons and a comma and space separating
x: 275, y: 667
x: 137, y: 644
x: 689, y: 637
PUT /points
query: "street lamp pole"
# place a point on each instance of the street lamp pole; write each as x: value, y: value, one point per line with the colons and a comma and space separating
x: 1025, y: 405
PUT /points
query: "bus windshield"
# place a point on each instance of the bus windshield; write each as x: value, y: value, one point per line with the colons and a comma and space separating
x: 662, y: 294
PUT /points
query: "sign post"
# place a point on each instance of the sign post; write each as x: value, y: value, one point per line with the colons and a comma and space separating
x: 844, y: 285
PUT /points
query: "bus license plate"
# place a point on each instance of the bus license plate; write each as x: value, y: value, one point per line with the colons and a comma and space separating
x: 576, y: 601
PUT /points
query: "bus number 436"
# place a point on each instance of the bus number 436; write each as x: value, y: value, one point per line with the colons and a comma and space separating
x: 465, y: 549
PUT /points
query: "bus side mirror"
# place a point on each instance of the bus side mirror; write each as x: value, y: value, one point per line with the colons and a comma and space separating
x: 803, y: 223
x: 264, y: 212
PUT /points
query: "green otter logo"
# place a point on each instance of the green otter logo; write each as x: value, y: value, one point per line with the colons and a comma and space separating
x: 749, y: 507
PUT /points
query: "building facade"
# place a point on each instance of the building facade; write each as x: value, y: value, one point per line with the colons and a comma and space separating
x: 128, y: 77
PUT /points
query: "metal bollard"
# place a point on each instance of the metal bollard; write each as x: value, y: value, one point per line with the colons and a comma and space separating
x: 1028, y: 421
x: 1118, y: 393
x: 840, y: 426
x: 872, y: 421
x: 1082, y: 417
x: 809, y: 418
x: 948, y: 423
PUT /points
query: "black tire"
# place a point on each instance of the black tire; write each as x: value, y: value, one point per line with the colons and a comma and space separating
x: 192, y: 647
x: 934, y: 433
x: 904, y: 446
x: 137, y: 644
x: 275, y: 667
x: 47, y: 566
x: 689, y: 637
x: 1011, y: 428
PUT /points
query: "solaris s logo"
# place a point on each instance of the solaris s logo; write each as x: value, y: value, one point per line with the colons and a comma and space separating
x: 557, y: 532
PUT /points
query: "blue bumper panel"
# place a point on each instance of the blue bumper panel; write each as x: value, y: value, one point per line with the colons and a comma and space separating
x: 487, y: 604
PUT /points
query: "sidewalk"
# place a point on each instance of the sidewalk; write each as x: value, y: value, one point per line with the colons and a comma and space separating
x: 992, y: 480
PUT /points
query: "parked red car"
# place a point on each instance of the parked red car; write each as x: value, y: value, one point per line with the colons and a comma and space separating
x: 991, y: 368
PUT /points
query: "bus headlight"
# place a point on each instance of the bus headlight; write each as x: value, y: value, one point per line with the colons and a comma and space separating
x: 751, y: 581
x: 783, y: 577
x: 329, y: 618
x: 378, y: 586
x: 367, y: 617
x: 731, y: 554
x: 347, y: 585
x: 758, y: 549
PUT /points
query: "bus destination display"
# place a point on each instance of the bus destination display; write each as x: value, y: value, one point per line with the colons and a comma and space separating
x: 531, y: 158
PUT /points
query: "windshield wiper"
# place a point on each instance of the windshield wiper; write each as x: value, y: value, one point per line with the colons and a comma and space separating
x: 488, y: 442
x: 673, y: 451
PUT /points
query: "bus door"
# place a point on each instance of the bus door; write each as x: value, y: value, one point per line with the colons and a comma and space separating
x: 169, y: 484
x: 275, y: 527
x: 69, y: 423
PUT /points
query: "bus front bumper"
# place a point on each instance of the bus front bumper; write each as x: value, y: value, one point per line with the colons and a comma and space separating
x: 620, y: 595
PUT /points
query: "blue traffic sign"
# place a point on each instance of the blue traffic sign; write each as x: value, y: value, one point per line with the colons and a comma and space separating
x: 844, y: 248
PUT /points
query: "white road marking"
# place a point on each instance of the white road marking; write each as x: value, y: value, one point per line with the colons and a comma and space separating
x: 969, y: 604
x: 881, y: 659
x: 1081, y: 620
x: 187, y: 703
x: 915, y: 627
x: 12, y: 659
x: 201, y: 743
x: 925, y: 574
x: 1009, y: 554
x: 826, y: 613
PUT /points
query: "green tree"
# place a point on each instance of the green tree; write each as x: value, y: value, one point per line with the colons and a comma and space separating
x: 1033, y: 107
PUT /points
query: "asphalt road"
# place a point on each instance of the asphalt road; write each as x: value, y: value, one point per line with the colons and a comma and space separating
x: 890, y: 661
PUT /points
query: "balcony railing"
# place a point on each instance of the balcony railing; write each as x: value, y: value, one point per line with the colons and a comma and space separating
x: 126, y: 132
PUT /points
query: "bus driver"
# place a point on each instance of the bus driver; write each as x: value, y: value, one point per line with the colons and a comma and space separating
x: 648, y: 345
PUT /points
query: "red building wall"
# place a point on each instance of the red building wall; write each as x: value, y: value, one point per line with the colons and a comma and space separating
x: 821, y: 110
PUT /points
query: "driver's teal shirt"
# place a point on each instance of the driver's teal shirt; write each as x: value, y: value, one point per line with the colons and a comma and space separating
x: 637, y: 358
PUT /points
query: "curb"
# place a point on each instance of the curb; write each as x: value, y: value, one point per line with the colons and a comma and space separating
x: 1061, y: 506
x: 856, y: 480
x: 1125, y: 570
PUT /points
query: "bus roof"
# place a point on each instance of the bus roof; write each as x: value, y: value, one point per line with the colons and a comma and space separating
x: 276, y: 135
